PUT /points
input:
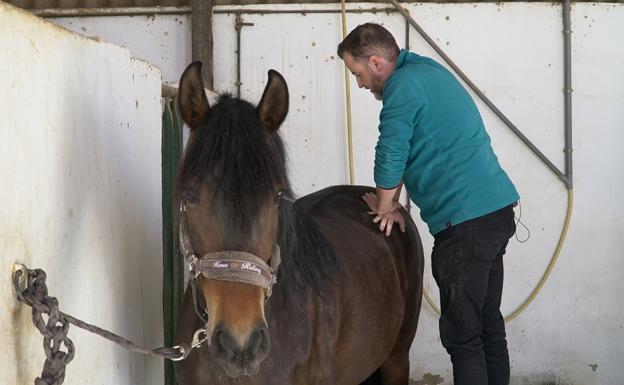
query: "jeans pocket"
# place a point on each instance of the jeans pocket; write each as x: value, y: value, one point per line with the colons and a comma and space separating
x: 446, y: 252
x: 491, y: 234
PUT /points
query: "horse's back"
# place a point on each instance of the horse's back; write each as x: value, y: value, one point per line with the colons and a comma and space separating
x: 343, y: 218
x: 379, y: 278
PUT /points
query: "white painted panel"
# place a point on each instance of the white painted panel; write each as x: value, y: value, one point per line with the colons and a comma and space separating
x: 162, y: 40
x: 80, y: 165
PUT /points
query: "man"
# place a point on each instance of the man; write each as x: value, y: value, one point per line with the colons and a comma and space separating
x: 432, y: 140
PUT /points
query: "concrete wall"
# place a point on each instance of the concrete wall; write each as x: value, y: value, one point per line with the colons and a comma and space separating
x: 574, y: 332
x: 80, y: 192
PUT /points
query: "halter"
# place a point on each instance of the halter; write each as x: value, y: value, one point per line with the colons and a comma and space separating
x: 233, y: 266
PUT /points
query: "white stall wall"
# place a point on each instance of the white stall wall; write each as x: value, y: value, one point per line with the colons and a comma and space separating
x: 161, y: 40
x: 574, y: 332
x: 81, y: 182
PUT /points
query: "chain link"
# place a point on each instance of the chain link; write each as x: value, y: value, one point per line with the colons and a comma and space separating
x: 31, y: 289
x: 54, y: 330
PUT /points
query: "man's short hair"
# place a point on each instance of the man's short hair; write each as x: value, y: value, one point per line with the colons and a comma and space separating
x: 367, y: 40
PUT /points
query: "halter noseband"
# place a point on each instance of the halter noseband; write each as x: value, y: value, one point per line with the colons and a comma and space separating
x: 233, y: 266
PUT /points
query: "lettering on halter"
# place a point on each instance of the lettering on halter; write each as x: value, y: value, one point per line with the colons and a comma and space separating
x: 220, y: 265
x: 251, y: 267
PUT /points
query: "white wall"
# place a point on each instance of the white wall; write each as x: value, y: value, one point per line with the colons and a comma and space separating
x: 80, y: 192
x: 161, y: 40
x: 573, y: 333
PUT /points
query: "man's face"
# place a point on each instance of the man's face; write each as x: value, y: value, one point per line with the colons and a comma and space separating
x: 366, y: 74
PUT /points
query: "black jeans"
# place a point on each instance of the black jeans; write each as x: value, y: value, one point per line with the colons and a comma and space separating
x: 467, y: 264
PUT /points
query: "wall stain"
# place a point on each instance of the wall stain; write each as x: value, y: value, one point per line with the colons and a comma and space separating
x: 593, y: 367
x: 547, y: 378
x: 428, y: 379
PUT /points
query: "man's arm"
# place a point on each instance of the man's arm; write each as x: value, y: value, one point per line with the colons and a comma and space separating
x: 385, y: 199
x: 397, y: 194
x: 388, y: 199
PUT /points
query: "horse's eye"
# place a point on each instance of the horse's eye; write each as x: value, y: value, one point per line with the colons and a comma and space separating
x: 278, y: 196
x: 189, y: 196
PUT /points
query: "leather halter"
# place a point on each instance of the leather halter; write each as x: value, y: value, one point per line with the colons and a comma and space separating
x: 233, y: 266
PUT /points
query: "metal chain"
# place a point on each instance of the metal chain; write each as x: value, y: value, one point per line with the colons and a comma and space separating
x: 31, y: 289
x: 54, y: 331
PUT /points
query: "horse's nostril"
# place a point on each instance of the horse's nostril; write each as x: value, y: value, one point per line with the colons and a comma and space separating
x: 258, y: 344
x: 223, y: 343
x: 226, y: 348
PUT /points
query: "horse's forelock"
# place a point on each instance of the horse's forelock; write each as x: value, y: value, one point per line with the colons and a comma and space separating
x: 242, y: 163
x: 236, y: 159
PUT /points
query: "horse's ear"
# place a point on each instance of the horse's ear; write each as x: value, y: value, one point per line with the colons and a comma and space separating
x: 192, y: 97
x: 273, y: 106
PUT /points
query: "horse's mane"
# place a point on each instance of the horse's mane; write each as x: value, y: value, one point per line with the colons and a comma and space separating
x: 309, y: 261
x: 242, y: 161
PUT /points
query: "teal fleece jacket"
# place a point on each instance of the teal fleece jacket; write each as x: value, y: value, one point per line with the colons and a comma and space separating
x: 432, y: 137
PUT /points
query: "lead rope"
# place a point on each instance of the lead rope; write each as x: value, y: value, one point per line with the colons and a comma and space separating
x: 31, y: 289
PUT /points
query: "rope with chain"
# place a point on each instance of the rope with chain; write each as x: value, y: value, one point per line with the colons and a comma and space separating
x: 31, y: 289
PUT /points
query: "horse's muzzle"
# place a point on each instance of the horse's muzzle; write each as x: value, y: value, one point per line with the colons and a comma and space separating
x: 238, y: 359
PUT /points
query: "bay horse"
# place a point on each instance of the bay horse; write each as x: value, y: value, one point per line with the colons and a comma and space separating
x: 341, y: 308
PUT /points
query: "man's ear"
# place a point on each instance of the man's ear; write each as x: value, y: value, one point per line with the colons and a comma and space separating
x: 375, y: 63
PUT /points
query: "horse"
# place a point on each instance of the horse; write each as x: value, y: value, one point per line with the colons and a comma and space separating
x: 285, y: 291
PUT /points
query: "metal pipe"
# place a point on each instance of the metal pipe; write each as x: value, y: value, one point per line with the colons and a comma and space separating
x: 304, y: 12
x: 479, y: 93
x: 238, y: 26
x: 567, y: 92
x: 201, y: 38
x: 168, y: 91
x: 407, y: 35
x: 151, y: 11
x: 94, y: 12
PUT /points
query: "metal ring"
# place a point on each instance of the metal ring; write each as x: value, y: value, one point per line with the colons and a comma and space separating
x: 182, y: 352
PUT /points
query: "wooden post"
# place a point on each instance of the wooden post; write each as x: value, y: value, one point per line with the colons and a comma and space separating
x: 201, y: 38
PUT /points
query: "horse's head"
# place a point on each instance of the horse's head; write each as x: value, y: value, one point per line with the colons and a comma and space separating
x: 228, y: 187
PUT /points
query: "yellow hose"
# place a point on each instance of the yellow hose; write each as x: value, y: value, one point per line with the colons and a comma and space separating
x: 348, y: 100
x: 553, y: 260
x: 540, y: 285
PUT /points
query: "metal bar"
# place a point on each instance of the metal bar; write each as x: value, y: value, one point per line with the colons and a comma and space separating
x: 480, y: 94
x: 238, y: 26
x: 151, y: 11
x: 94, y: 12
x: 304, y: 12
x: 238, y: 57
x: 567, y: 91
x: 201, y: 38
x: 168, y: 91
x: 407, y: 35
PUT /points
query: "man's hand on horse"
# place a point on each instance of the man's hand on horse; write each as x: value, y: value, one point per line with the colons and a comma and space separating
x: 386, y: 219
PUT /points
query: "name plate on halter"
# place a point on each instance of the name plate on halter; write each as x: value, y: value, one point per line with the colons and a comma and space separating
x: 238, y: 266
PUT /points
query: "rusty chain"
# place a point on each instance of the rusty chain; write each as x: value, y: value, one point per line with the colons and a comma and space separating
x: 31, y: 289
x: 54, y: 331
